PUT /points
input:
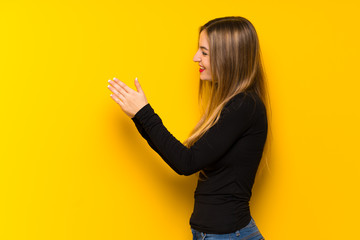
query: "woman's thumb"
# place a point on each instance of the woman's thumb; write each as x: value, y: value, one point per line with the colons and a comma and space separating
x: 137, y: 84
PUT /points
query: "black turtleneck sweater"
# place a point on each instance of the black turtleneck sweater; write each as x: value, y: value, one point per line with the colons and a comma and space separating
x: 229, y: 153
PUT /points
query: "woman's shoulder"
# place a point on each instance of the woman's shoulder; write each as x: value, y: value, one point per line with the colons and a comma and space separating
x: 245, y: 102
x: 245, y: 98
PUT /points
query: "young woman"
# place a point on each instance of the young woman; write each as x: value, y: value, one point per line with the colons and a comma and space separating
x: 227, y: 144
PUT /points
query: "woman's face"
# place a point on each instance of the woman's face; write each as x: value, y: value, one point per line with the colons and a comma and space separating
x: 203, y: 57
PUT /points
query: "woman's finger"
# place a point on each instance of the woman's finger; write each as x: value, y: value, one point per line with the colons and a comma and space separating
x: 116, y: 93
x: 123, y: 85
x: 118, y: 88
x: 117, y: 100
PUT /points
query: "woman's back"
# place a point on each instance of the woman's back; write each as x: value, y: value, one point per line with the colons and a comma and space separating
x: 222, y: 200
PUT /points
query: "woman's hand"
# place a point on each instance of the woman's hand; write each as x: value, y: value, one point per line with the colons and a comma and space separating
x: 129, y: 100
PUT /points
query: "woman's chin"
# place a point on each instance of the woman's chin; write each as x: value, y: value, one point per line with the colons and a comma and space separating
x: 205, y: 79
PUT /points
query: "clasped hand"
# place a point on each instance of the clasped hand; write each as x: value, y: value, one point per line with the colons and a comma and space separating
x: 130, y: 101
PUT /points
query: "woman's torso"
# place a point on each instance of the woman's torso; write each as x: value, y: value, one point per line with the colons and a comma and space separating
x: 222, y: 200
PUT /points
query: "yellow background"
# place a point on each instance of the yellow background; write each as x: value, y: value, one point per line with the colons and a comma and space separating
x: 73, y: 165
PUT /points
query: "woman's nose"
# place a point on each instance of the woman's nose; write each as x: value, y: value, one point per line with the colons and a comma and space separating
x: 196, y: 58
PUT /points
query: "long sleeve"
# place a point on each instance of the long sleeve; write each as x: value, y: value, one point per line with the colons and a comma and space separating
x: 143, y: 133
x: 234, y: 121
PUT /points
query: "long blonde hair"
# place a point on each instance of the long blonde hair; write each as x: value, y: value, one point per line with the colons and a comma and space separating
x: 235, y: 61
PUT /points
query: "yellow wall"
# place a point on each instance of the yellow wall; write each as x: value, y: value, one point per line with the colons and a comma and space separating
x: 73, y: 165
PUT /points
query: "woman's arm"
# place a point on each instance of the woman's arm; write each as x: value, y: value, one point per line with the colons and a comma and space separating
x: 147, y: 138
x: 234, y: 121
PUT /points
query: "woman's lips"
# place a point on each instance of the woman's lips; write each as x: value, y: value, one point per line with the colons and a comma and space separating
x: 201, y: 70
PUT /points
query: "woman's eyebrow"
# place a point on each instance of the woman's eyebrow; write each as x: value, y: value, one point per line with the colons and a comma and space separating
x: 202, y: 47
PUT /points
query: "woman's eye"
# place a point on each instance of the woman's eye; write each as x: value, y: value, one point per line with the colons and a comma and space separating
x: 204, y: 53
